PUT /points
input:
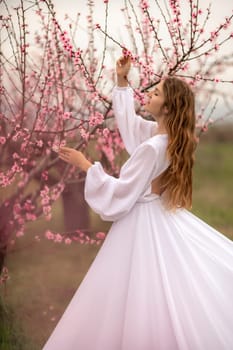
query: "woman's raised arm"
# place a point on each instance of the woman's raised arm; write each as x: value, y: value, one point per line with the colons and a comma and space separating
x: 133, y: 128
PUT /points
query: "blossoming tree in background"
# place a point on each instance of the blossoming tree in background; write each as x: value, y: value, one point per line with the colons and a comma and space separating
x: 55, y: 91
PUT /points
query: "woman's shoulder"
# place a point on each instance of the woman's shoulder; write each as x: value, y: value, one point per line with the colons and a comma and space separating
x: 155, y: 145
x: 157, y: 141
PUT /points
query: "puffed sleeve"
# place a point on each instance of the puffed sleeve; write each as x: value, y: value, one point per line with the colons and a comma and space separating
x: 133, y: 128
x: 112, y: 197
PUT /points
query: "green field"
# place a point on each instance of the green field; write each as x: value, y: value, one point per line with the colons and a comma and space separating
x: 213, y: 185
x: 45, y: 275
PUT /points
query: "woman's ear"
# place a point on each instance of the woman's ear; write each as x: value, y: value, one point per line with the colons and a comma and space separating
x: 165, y: 109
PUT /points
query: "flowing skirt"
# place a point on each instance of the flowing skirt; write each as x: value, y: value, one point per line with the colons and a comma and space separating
x: 160, y: 281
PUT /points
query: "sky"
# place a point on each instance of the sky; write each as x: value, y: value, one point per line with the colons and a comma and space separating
x: 219, y: 10
x: 116, y: 23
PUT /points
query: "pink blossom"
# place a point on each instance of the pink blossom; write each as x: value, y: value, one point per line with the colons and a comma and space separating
x: 85, y: 134
x: 204, y: 128
x: 45, y: 191
x: 100, y: 235
x: 44, y: 175
x: 96, y: 118
x: 58, y: 238
x: 185, y: 67
x: 108, y: 152
x: 2, y: 140
x: 47, y: 209
x: 45, y: 200
x: 21, y: 220
x: 106, y: 132
x: 67, y: 115
x: 28, y: 205
x: 81, y: 234
x: 144, y: 5
x: 49, y: 235
x: 2, y: 90
x: 126, y: 52
x: 30, y: 217
x: 213, y: 35
x: 68, y: 241
x: 15, y: 155
x: 17, y: 209
x: 197, y: 77
x: 19, y: 233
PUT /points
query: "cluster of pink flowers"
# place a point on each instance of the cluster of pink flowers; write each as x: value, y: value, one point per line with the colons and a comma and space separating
x: 109, y: 144
x: 77, y: 236
x: 67, y: 115
x: 127, y: 53
x: 84, y: 133
x: 214, y: 35
x: 23, y: 213
x: 140, y: 97
x: 2, y: 140
x: 77, y: 57
x: 67, y: 43
x: 56, y: 191
x: 29, y: 209
x: 144, y: 5
x: 96, y: 118
x: 45, y: 201
x: 175, y: 7
x: 227, y: 22
x: 8, y: 177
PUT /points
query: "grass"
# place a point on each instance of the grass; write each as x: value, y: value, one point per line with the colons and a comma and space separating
x: 12, y: 337
x: 213, y: 174
x: 44, y: 276
x: 43, y: 287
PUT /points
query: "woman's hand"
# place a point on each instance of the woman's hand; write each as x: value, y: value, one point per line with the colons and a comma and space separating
x: 123, y: 65
x: 74, y: 157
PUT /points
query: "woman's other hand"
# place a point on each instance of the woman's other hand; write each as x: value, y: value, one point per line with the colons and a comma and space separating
x: 74, y: 157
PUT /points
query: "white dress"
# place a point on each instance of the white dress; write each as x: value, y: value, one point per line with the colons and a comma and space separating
x: 161, y: 280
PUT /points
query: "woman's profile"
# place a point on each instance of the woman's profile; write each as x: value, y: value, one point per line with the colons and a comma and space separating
x: 163, y: 278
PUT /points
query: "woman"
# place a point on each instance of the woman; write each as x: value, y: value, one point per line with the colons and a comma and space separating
x: 163, y: 279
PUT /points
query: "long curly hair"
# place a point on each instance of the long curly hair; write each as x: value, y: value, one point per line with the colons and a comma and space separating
x: 180, y: 119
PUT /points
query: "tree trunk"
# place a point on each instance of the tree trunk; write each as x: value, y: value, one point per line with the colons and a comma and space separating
x: 76, y: 212
x: 5, y: 229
